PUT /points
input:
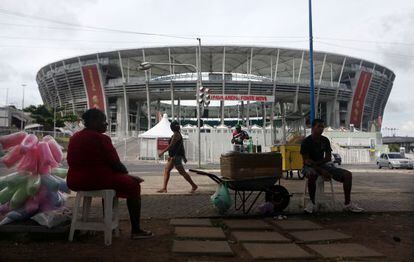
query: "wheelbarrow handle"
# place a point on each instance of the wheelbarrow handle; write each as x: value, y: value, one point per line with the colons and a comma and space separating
x: 212, y: 176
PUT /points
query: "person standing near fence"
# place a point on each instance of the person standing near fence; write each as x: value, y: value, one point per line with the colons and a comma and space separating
x: 176, y: 157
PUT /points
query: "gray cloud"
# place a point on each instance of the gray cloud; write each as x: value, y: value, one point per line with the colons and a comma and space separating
x: 398, y: 28
x: 397, y: 106
x: 379, y: 21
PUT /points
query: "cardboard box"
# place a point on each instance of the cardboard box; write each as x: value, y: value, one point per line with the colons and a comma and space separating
x: 240, y: 166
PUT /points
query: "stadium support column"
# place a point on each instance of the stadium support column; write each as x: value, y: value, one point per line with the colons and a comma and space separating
x: 319, y: 87
x: 273, y: 136
x: 179, y: 111
x: 126, y: 111
x: 148, y: 100
x: 283, y: 113
x: 242, y: 111
x: 335, y: 120
x: 138, y: 118
x: 171, y: 84
x: 158, y: 111
x: 223, y: 70
x: 69, y: 87
x: 249, y: 88
x: 332, y: 110
x: 296, y: 106
x: 264, y: 123
x: 147, y: 92
x: 120, y: 117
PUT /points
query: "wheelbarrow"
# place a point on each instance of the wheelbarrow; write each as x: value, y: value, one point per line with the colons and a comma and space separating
x: 244, y: 188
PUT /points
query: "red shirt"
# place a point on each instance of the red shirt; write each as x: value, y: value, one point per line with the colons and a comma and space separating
x: 91, y: 157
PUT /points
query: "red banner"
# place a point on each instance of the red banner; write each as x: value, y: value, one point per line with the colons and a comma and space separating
x: 242, y: 98
x: 162, y: 144
x: 359, y: 98
x: 93, y: 87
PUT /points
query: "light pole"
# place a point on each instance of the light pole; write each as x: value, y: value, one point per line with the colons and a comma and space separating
x: 147, y: 65
x: 312, y: 87
x: 21, y: 121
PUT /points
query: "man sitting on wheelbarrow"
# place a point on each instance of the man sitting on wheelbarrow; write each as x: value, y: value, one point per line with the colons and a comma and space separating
x: 316, y: 153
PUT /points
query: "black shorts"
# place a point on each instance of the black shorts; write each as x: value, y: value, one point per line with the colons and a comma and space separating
x: 177, y: 160
x: 336, y: 172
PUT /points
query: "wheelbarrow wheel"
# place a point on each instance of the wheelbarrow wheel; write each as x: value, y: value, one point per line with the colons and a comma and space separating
x: 279, y: 196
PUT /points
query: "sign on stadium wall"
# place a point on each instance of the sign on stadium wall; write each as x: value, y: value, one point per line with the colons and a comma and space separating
x: 93, y: 87
x: 359, y: 98
x: 242, y: 98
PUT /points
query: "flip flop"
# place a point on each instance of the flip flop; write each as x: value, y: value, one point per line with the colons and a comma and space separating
x: 143, y: 234
x: 192, y: 191
x: 162, y: 191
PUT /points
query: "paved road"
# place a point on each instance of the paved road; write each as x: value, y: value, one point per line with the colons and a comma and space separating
x: 377, y: 190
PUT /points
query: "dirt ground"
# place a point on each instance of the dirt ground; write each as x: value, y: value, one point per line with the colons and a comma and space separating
x: 389, y: 233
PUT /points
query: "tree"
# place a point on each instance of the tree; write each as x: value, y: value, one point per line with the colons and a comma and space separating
x: 44, y: 116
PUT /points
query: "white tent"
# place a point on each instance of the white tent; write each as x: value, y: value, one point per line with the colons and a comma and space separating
x: 148, y: 141
x: 207, y: 126
x: 160, y: 130
x: 222, y: 127
x: 189, y: 126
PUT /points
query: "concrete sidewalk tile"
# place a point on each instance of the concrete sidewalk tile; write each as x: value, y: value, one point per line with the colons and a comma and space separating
x: 275, y: 251
x: 217, y: 248
x: 297, y: 225
x: 247, y: 224
x: 259, y: 236
x: 191, y: 222
x: 319, y: 235
x: 200, y: 232
x: 344, y: 250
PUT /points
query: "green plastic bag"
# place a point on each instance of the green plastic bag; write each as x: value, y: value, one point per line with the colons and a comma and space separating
x: 60, y: 172
x: 221, y: 198
x: 33, y: 185
x: 6, y: 194
x: 19, y: 197
x: 16, y: 179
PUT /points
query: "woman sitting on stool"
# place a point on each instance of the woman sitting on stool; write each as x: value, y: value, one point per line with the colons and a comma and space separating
x: 94, y: 165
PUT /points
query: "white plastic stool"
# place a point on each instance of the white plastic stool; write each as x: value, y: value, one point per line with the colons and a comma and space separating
x: 320, y: 195
x: 110, y: 219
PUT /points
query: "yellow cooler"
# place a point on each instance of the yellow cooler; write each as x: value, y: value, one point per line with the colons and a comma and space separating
x: 291, y: 158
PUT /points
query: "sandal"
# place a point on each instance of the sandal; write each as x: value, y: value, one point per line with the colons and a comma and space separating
x: 162, y: 191
x: 142, y: 234
x: 192, y: 191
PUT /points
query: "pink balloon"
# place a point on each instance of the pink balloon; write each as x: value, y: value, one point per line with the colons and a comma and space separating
x: 12, y: 157
x: 46, y: 159
x: 29, y: 161
x: 12, y: 139
x: 28, y: 143
x: 56, y: 150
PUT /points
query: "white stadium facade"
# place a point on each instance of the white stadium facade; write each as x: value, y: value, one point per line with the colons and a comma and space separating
x: 267, y: 82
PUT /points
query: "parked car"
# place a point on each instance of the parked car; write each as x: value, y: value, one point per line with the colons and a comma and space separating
x: 63, y: 131
x: 394, y: 160
x: 336, y: 158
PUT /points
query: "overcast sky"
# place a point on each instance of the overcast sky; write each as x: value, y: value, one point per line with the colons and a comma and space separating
x: 376, y: 30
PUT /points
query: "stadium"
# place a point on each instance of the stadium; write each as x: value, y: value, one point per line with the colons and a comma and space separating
x: 249, y: 83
